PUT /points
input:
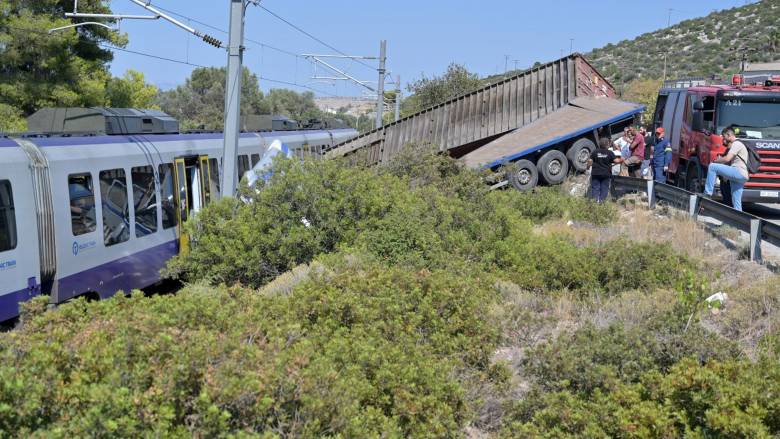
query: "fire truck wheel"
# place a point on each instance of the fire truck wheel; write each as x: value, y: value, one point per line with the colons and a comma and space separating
x: 523, y: 175
x: 553, y: 167
x: 692, y: 181
x: 579, y: 153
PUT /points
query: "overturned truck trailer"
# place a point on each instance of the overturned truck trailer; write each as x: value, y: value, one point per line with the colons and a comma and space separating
x: 545, y: 121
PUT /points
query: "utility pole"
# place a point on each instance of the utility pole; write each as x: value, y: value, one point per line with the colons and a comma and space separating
x: 397, y: 97
x: 380, y: 98
x: 571, y: 46
x: 233, y: 99
x: 506, y: 63
x: 668, y: 24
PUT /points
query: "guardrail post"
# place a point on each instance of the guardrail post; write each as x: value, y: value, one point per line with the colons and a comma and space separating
x: 651, y: 193
x: 755, y: 240
x: 693, y: 207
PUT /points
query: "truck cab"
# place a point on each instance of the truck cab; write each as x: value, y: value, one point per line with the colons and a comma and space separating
x: 694, y: 112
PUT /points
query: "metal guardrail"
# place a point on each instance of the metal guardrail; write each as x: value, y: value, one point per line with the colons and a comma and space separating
x: 758, y: 228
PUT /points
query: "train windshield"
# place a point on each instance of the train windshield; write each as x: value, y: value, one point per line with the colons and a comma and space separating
x: 755, y: 120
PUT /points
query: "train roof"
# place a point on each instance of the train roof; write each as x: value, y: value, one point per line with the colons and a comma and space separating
x: 45, y: 140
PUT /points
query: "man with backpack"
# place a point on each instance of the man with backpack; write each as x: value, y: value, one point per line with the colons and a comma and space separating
x: 735, y: 167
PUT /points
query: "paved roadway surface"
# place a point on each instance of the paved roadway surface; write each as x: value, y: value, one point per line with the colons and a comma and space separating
x: 770, y: 212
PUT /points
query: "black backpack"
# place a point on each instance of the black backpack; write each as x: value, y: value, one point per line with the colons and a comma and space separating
x: 649, y: 143
x: 754, y: 160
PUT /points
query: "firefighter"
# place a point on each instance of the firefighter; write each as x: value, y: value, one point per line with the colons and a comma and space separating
x: 662, y: 156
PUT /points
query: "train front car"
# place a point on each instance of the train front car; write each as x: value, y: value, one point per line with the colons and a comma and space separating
x: 94, y: 204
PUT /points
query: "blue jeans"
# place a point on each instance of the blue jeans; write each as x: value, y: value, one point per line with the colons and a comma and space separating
x: 725, y: 172
x: 658, y: 174
x: 599, y: 187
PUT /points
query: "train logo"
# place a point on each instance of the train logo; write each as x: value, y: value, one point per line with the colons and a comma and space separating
x: 75, y: 248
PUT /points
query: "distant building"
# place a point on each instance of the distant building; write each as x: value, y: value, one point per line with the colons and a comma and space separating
x: 349, y: 105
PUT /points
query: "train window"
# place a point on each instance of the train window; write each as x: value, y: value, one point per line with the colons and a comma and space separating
x: 255, y: 159
x: 144, y: 200
x: 7, y: 217
x: 243, y: 165
x: 166, y: 196
x: 82, y: 203
x: 116, y: 214
x: 214, y: 178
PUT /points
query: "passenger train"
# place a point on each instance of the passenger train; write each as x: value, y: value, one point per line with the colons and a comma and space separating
x: 91, y: 214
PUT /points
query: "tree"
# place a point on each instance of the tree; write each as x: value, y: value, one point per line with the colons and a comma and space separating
x: 131, y: 91
x: 11, y: 120
x: 645, y: 92
x: 38, y: 69
x: 427, y: 92
x: 298, y: 106
x: 200, y: 102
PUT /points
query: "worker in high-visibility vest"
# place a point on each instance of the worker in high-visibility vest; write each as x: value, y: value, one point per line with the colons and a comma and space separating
x: 662, y: 156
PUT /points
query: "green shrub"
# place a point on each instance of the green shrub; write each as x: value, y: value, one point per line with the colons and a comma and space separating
x: 546, y: 203
x: 718, y: 399
x: 360, y: 350
x: 308, y: 208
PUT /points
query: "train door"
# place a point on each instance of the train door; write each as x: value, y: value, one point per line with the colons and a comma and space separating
x: 19, y: 256
x: 193, y: 191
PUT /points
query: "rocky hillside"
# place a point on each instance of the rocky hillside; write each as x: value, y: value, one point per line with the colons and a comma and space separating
x: 699, y: 47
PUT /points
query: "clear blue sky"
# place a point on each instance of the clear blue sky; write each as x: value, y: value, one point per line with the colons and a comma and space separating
x: 423, y: 36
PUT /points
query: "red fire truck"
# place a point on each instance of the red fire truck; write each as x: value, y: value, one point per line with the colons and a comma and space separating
x: 694, y: 111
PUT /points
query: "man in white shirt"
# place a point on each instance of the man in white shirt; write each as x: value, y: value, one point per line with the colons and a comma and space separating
x: 622, y: 145
x: 731, y: 167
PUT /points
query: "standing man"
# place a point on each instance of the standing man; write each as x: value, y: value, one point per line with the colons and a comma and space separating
x: 600, y: 162
x: 732, y: 167
x: 662, y: 156
x: 637, y: 149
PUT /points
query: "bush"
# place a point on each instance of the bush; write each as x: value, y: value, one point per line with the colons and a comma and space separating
x: 360, y: 350
x: 717, y: 399
x: 546, y: 203
x: 308, y: 208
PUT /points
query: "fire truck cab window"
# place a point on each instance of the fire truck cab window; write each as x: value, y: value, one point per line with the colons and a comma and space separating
x: 709, y: 113
x: 82, y: 203
x: 660, y: 108
x: 116, y: 214
x: 688, y: 115
x: 7, y: 217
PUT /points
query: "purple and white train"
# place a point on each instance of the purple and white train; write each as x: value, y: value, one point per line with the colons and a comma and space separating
x: 94, y: 214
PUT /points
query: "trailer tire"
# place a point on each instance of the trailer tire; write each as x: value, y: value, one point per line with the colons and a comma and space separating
x: 553, y: 167
x: 523, y: 176
x: 579, y: 153
x: 693, y: 181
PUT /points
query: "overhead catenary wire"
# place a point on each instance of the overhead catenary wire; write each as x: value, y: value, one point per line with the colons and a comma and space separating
x: 204, y: 24
x: 163, y: 58
x: 299, y: 29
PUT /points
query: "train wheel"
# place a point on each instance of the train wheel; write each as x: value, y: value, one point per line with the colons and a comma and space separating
x: 523, y: 176
x: 579, y: 153
x: 693, y: 181
x: 553, y: 167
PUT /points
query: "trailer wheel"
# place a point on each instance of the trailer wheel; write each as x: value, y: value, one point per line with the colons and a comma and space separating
x: 692, y: 181
x: 524, y: 176
x: 553, y: 167
x: 579, y: 153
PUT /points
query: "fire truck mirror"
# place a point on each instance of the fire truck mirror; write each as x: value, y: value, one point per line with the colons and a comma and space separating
x: 698, y: 105
x: 698, y: 120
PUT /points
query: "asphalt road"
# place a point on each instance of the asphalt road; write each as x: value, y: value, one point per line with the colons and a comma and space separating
x: 770, y: 212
